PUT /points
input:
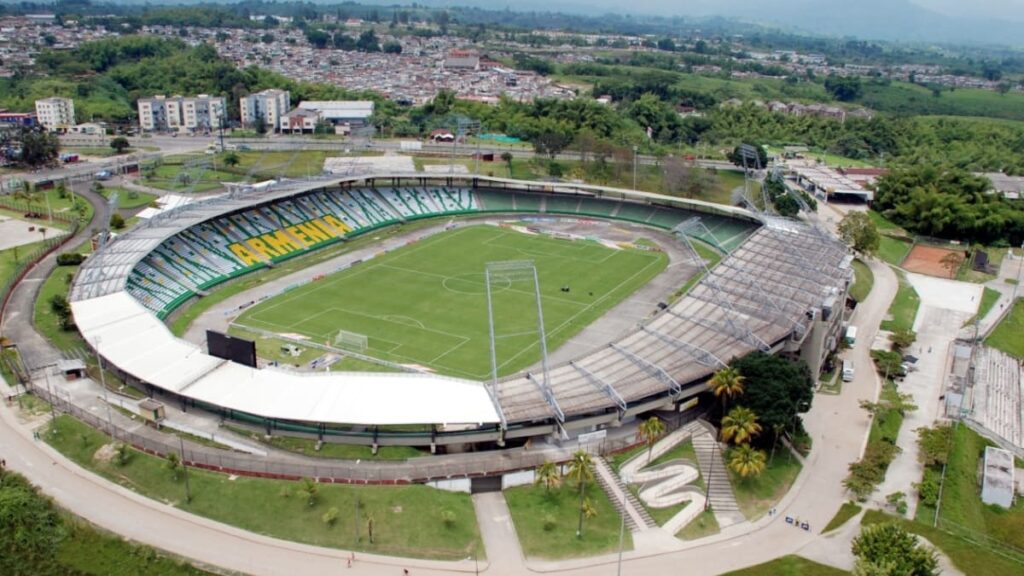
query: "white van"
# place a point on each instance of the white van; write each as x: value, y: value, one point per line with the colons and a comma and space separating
x: 847, y: 371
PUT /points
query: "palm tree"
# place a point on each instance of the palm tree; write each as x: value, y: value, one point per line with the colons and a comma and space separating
x: 549, y: 476
x: 727, y: 383
x: 589, y: 510
x: 650, y: 430
x: 581, y: 470
x: 173, y: 464
x: 746, y: 461
x: 740, y: 425
x: 309, y: 489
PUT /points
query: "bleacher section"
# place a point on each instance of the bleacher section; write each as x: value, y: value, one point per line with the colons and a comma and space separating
x: 997, y: 393
x: 213, y: 251
x: 227, y: 246
x: 761, y: 296
x: 754, y: 298
x: 727, y: 233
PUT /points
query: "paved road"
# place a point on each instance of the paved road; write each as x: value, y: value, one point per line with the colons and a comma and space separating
x: 17, y: 323
x: 836, y: 424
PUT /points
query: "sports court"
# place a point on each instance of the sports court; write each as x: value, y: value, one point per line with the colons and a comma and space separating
x: 925, y: 259
x: 425, y: 304
x: 15, y: 232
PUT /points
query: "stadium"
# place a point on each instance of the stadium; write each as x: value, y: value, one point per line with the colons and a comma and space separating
x: 500, y: 264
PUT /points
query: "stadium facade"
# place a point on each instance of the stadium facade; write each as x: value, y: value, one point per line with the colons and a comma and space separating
x: 780, y: 288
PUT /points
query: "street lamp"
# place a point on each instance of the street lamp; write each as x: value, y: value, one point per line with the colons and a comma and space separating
x: 103, y: 383
x: 635, y: 148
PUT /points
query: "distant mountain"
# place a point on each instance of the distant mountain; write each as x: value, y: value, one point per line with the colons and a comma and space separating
x: 894, y: 20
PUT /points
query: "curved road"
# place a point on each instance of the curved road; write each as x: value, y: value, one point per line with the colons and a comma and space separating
x: 836, y: 423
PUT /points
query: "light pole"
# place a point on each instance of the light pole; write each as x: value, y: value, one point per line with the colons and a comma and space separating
x: 184, y: 467
x: 622, y: 534
x: 635, y: 148
x: 103, y: 383
x: 1020, y: 268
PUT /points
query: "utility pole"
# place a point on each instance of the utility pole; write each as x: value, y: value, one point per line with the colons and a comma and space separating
x: 103, y: 382
x: 635, y: 148
x: 622, y: 534
x: 184, y: 467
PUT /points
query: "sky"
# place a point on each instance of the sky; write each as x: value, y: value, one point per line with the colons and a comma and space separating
x: 996, y: 9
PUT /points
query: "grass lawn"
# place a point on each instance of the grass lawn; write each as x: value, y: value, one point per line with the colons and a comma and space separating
x: 893, y: 250
x: 701, y: 526
x: 1007, y: 334
x: 307, y: 447
x: 178, y: 178
x: 128, y: 199
x: 962, y: 508
x: 530, y: 505
x: 971, y: 556
x: 181, y: 321
x: 91, y: 551
x: 846, y: 511
x: 904, y: 306
x: 790, y: 565
x: 864, y: 280
x: 618, y: 459
x: 883, y: 224
x: 989, y: 297
x: 756, y: 495
x: 268, y: 165
x: 425, y: 304
x: 11, y: 258
x: 683, y: 450
x: 101, y: 151
x: 407, y: 520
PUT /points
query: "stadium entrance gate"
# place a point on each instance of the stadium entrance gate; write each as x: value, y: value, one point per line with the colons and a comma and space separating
x: 485, y: 484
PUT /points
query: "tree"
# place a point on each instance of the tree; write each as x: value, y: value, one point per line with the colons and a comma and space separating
x: 740, y: 425
x: 368, y: 42
x: 650, y: 430
x: 120, y: 144
x: 589, y: 510
x: 548, y: 475
x: 507, y: 157
x: 392, y: 47
x: 330, y: 517
x: 309, y: 490
x: 889, y: 549
x: 231, y: 159
x: 552, y: 141
x: 173, y: 464
x: 739, y: 158
x: 902, y: 339
x: 667, y: 45
x: 859, y: 232
x: 122, y: 454
x: 776, y: 389
x: 581, y: 471
x: 317, y: 38
x: 952, y: 262
x: 746, y: 461
x: 261, y: 125
x: 116, y: 221
x: 726, y: 384
x: 684, y: 177
x: 844, y: 88
x: 38, y: 147
x: 32, y: 528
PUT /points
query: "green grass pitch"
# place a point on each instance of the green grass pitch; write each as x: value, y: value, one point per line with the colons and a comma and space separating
x: 425, y: 303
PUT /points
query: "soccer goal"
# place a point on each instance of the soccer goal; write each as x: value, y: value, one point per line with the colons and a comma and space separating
x: 351, y: 340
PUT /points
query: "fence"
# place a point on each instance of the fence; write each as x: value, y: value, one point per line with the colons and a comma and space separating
x: 36, y: 255
x: 416, y: 470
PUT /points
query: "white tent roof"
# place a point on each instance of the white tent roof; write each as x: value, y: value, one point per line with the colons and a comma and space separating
x: 131, y: 338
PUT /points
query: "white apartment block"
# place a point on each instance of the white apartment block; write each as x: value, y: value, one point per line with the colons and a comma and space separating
x: 271, y: 105
x: 56, y: 114
x: 181, y: 114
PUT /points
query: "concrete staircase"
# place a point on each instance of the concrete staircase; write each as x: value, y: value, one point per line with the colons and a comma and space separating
x: 716, y: 478
x: 637, y: 517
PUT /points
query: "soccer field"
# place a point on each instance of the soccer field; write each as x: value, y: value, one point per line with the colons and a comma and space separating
x: 425, y: 303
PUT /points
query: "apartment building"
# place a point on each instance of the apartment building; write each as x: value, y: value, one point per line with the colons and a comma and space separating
x: 182, y: 114
x: 270, y: 105
x: 56, y: 114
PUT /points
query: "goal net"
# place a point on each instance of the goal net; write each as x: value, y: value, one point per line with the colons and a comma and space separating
x: 350, y: 340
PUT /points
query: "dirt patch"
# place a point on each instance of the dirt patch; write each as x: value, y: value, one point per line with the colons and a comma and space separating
x: 105, y: 454
x: 927, y: 260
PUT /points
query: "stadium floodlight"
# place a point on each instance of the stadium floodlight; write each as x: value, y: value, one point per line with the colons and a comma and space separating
x: 351, y: 340
x: 518, y: 271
